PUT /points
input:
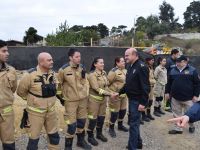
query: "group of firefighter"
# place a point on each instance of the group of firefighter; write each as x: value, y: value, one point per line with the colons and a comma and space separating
x: 85, y: 97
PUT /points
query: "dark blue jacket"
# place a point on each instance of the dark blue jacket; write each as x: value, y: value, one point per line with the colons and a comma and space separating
x: 171, y: 63
x: 137, y: 86
x: 194, y: 112
x: 183, y: 85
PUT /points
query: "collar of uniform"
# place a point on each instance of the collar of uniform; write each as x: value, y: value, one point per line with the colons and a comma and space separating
x: 73, y: 65
x: 181, y: 69
x: 41, y: 73
x: 150, y: 66
x: 119, y: 68
x: 134, y: 62
x: 99, y: 72
x: 173, y: 60
x: 162, y: 67
x: 3, y: 66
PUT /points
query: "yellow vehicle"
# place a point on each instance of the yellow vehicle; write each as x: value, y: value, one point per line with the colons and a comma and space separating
x: 157, y: 49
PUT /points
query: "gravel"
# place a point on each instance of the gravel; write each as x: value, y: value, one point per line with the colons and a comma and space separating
x: 154, y: 134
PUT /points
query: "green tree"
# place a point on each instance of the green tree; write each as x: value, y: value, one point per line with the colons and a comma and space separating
x: 152, y: 26
x: 31, y: 36
x: 122, y: 29
x: 76, y: 28
x: 192, y: 16
x: 139, y: 35
x: 166, y: 16
x: 86, y: 35
x: 103, y: 30
x: 93, y: 27
x: 140, y: 24
x: 113, y: 30
x: 64, y: 36
x: 76, y: 35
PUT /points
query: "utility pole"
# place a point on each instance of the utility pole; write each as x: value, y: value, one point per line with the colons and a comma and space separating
x: 133, y: 33
x: 91, y: 42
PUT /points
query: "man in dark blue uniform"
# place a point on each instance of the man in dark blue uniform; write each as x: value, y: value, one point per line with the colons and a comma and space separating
x: 137, y: 88
x: 183, y: 87
x: 171, y: 63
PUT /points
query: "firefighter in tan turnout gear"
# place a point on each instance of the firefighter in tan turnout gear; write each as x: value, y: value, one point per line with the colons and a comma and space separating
x: 8, y: 84
x: 38, y: 87
x: 75, y: 90
x: 97, y: 100
x: 146, y: 116
x: 160, y: 75
x: 117, y: 106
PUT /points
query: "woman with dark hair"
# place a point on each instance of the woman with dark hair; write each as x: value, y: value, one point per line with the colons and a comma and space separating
x: 97, y: 100
x: 159, y: 89
x: 146, y: 116
x: 117, y: 106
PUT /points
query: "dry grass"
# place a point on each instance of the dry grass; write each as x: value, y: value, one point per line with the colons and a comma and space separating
x: 190, y: 47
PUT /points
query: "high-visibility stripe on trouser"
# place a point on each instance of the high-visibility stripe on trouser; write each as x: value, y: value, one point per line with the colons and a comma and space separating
x: 40, y: 110
x: 90, y: 117
x: 112, y: 109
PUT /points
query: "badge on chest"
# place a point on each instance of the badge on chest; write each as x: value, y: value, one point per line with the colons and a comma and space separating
x: 134, y: 70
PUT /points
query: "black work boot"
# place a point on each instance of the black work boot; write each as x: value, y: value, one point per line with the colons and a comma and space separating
x: 32, y: 144
x: 68, y: 143
x: 8, y: 146
x: 113, y: 118
x: 191, y: 129
x: 112, y: 131
x: 91, y: 138
x: 149, y: 114
x: 160, y: 111
x: 141, y: 122
x: 144, y: 117
x: 156, y: 113
x: 175, y: 132
x: 121, y: 127
x: 100, y: 136
x: 91, y: 126
x: 81, y: 141
x: 100, y: 122
x: 139, y: 146
x: 121, y: 116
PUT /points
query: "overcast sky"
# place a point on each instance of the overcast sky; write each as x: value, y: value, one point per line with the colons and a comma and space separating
x: 16, y: 16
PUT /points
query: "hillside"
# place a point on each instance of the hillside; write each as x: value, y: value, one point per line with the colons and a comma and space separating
x: 190, y: 47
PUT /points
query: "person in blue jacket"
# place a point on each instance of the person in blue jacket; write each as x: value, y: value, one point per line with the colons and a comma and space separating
x: 171, y: 63
x: 192, y: 115
x: 183, y: 87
